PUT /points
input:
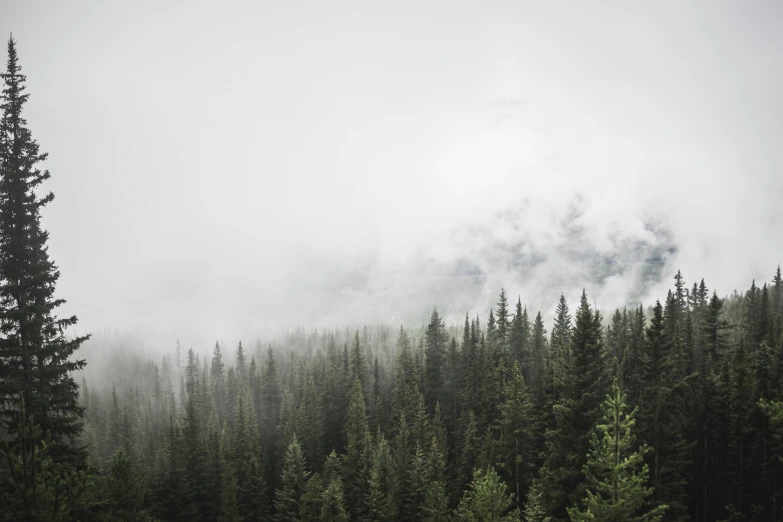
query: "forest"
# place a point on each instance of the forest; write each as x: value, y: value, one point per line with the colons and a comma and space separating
x: 664, y: 411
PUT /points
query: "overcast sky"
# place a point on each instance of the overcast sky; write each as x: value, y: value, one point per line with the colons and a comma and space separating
x: 208, y: 157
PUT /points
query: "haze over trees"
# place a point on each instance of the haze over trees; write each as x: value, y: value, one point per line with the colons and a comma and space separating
x: 668, y: 412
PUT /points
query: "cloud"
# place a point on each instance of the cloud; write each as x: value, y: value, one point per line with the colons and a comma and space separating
x: 240, y: 169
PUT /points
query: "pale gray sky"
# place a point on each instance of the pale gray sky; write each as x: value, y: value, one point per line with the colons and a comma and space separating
x: 221, y: 167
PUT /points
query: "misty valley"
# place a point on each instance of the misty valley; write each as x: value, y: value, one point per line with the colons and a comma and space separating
x: 537, y: 361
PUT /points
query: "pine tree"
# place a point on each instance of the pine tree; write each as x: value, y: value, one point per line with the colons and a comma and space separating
x: 357, y: 452
x: 469, y: 365
x: 468, y: 448
x: 217, y: 467
x: 217, y: 381
x: 777, y: 307
x: 660, y: 427
x: 616, y: 474
x: 174, y: 491
x: 414, y: 490
x: 503, y: 325
x: 380, y: 500
x: 292, y: 479
x: 579, y: 379
x: 680, y: 296
x: 517, y: 426
x: 561, y: 332
x: 333, y: 508
x: 434, y: 363
x: 487, y: 500
x: 311, y: 425
x: 714, y: 327
x: 312, y: 498
x: 406, y: 392
x: 193, y: 448
x: 534, y: 505
x: 34, y: 487
x: 540, y: 360
x: 216, y: 370
x: 358, y: 363
x: 125, y: 491
x: 229, y: 508
x: 241, y: 362
x: 271, y: 402
x: 453, y: 378
x: 519, y: 342
x: 402, y: 453
x: 35, y: 353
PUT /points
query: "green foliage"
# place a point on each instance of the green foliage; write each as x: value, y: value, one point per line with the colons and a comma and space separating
x: 381, y: 483
x: 293, y: 478
x: 487, y: 500
x: 518, y: 427
x: 229, y: 508
x: 32, y: 485
x: 333, y: 508
x: 125, y: 492
x: 534, y: 505
x: 616, y: 473
x: 436, y: 342
x: 35, y: 351
x: 355, y: 465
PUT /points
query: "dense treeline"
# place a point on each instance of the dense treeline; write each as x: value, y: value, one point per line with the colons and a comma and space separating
x: 671, y: 412
x: 395, y: 424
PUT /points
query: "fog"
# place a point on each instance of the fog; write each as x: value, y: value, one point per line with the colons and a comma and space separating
x: 225, y: 170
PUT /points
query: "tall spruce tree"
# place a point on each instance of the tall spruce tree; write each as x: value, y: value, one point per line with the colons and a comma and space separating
x: 617, y: 476
x: 517, y: 426
x: 293, y: 478
x: 435, y: 361
x: 580, y: 383
x: 35, y: 351
x: 503, y: 324
x: 356, y: 465
x: 660, y: 422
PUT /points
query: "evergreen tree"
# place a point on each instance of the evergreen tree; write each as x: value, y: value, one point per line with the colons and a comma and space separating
x: 660, y: 427
x: 540, y: 359
x: 517, y: 428
x: 468, y: 448
x: 453, y: 378
x: 357, y: 452
x: 534, y: 506
x: 333, y: 508
x: 435, y: 358
x: 125, y: 491
x: 35, y: 353
x: 358, y: 363
x: 380, y: 500
x: 174, y: 491
x: 414, y: 490
x: 216, y: 370
x: 616, y: 474
x: 292, y: 479
x: 310, y: 424
x: 561, y: 332
x: 579, y: 383
x: 503, y: 325
x: 194, y: 451
x: 519, y: 341
x: 487, y: 500
x: 714, y: 327
x: 33, y: 486
x: 229, y: 508
x: 405, y: 379
x: 241, y: 362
